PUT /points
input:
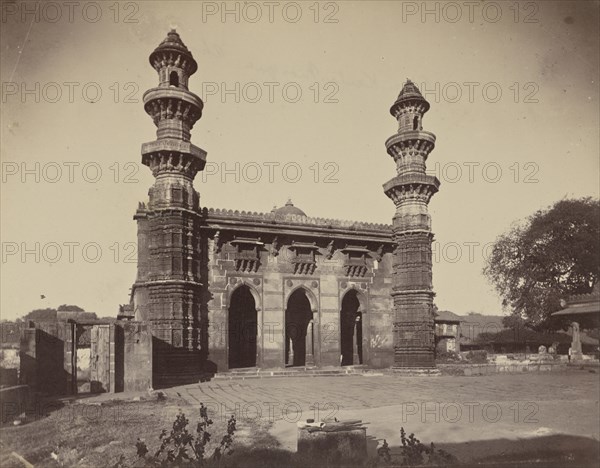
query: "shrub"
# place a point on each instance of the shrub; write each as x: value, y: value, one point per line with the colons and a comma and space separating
x: 447, y: 357
x: 415, y: 453
x: 477, y: 356
x: 180, y: 447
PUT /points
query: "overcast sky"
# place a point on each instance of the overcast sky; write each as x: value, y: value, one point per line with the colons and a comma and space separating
x: 290, y: 86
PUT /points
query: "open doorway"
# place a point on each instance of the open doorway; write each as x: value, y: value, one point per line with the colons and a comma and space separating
x: 351, y: 330
x: 242, y: 329
x: 299, y: 336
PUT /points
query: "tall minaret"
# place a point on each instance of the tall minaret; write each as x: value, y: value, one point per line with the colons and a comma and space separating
x: 167, y: 289
x: 411, y: 191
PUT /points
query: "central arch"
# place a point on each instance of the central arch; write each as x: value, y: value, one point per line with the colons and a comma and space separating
x: 351, y: 329
x: 243, y: 329
x: 299, y: 336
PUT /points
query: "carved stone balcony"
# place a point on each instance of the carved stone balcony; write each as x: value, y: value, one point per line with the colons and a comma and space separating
x: 304, y: 260
x: 355, y: 264
x: 247, y: 254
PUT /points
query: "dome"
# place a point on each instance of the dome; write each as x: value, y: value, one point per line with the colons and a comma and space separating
x: 288, y: 209
x: 409, y: 92
x: 173, y: 43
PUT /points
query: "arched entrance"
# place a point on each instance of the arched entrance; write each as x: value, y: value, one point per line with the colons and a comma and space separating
x: 299, y: 341
x: 242, y: 329
x: 351, y: 330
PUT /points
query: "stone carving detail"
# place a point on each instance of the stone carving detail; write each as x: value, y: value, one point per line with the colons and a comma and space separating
x: 379, y: 253
x: 173, y: 108
x: 275, y: 246
x: 216, y: 240
x: 330, y: 250
x: 171, y: 162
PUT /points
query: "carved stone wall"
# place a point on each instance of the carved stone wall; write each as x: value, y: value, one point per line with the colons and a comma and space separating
x: 324, y: 284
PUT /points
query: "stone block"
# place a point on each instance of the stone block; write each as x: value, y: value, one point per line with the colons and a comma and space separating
x: 327, y: 448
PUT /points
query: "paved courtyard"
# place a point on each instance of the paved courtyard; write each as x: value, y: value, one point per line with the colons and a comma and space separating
x: 473, y: 416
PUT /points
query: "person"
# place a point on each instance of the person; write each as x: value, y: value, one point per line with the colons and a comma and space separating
x: 570, y: 352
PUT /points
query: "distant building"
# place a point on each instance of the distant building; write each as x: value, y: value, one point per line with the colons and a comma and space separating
x: 584, y: 310
x: 487, y: 332
x: 473, y: 325
x: 447, y: 332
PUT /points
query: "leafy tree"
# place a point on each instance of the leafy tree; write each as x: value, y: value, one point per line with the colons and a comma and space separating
x: 41, y: 315
x: 514, y: 322
x: 69, y: 308
x: 552, y: 254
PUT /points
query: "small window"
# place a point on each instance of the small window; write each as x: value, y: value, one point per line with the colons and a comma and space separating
x: 174, y: 79
x: 416, y: 123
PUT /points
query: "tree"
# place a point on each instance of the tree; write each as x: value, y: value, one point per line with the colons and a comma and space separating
x: 69, y: 308
x: 41, y: 315
x: 547, y: 257
x: 50, y: 314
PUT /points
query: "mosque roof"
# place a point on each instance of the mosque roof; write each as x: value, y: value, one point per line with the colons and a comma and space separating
x: 288, y: 209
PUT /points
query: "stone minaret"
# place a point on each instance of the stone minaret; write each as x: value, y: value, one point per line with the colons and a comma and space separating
x: 411, y: 191
x: 167, y: 289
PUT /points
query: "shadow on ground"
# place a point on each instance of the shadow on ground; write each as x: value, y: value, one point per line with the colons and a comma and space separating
x: 549, y: 451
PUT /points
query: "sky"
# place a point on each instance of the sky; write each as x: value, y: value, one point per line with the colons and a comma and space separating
x: 297, y: 98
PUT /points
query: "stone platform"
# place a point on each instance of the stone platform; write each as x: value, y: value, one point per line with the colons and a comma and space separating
x: 256, y: 373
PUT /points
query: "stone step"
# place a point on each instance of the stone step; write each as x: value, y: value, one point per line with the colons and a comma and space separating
x: 290, y: 372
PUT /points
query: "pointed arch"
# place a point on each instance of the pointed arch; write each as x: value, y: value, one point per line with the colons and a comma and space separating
x: 312, y: 298
x: 301, y: 306
x: 353, y: 309
x: 255, y: 294
x: 242, y: 328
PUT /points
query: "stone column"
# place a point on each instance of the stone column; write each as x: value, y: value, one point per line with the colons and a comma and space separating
x: 411, y: 189
x: 310, y: 355
x: 576, y: 353
x: 355, y: 342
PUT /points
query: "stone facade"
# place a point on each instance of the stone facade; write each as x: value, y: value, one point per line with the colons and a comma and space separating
x: 224, y: 289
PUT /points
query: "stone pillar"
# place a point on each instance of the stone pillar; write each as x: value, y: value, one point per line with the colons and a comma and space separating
x: 576, y: 353
x: 310, y: 343
x: 411, y: 189
x: 168, y: 288
x: 355, y: 342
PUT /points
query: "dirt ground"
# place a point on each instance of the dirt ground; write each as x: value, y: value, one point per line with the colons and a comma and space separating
x: 484, y: 419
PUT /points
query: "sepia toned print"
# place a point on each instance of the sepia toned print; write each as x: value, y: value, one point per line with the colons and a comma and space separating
x: 262, y: 285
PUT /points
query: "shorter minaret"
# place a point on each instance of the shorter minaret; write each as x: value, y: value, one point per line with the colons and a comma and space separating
x: 411, y: 189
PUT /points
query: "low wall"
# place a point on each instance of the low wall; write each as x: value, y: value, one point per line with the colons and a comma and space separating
x: 504, y: 368
x: 12, y: 402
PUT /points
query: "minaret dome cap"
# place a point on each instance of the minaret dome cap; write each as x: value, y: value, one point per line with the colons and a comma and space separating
x: 409, y: 93
x: 173, y: 43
